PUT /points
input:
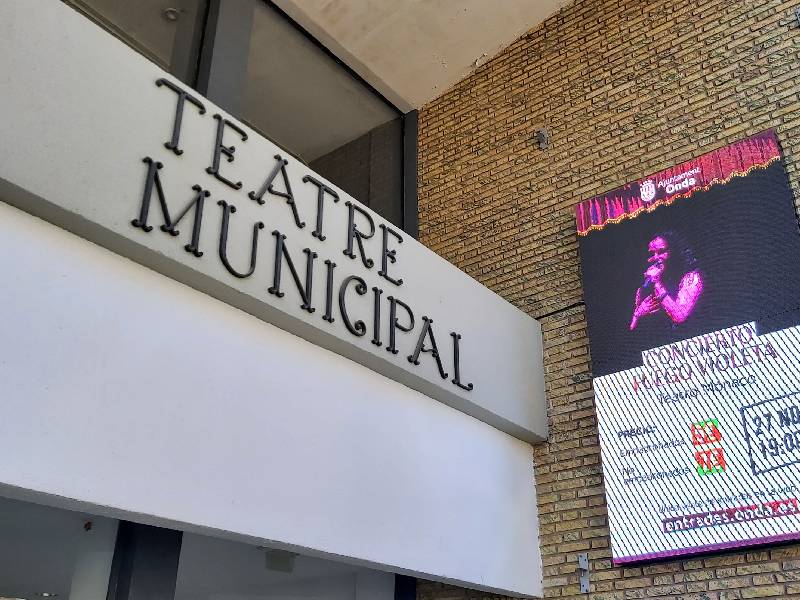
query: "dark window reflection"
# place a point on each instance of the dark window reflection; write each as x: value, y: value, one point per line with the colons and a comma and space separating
x: 284, y: 85
x: 168, y: 32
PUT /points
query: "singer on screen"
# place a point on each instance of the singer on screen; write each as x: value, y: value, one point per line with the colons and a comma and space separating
x: 672, y: 283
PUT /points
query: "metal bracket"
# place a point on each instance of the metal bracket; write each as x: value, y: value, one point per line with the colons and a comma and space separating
x: 542, y: 137
x: 583, y: 571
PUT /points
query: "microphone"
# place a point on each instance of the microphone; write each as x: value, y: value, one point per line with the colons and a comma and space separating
x: 648, y: 281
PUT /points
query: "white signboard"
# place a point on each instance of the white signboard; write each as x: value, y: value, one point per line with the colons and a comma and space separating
x: 102, y: 142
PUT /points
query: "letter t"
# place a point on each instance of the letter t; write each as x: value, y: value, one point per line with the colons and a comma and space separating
x: 183, y: 96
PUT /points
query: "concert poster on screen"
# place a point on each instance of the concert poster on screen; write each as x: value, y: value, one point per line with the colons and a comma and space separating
x: 692, y: 284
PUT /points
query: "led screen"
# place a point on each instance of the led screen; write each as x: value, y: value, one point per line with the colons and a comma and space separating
x: 692, y: 283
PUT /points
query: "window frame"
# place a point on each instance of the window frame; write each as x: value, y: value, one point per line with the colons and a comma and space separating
x: 409, y: 120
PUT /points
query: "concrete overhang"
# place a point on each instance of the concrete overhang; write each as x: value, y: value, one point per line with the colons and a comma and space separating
x: 413, y: 50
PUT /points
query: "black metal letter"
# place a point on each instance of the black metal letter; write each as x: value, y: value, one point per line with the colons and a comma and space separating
x: 387, y: 255
x: 322, y: 189
x: 282, y: 253
x: 353, y: 233
x: 456, y: 364
x: 358, y: 328
x: 152, y: 177
x: 280, y: 167
x: 169, y: 225
x: 227, y: 209
x: 220, y: 149
x: 328, y: 316
x: 376, y: 317
x: 394, y: 325
x: 183, y: 96
x: 427, y: 331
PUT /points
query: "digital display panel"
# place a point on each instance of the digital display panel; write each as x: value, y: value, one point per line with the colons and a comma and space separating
x: 692, y: 282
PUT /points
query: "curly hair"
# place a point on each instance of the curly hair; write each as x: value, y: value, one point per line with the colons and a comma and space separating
x: 682, y: 258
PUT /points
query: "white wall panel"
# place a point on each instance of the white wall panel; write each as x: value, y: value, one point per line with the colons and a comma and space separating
x: 131, y: 394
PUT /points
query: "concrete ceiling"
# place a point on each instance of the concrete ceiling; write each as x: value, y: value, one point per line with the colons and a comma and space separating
x: 413, y: 50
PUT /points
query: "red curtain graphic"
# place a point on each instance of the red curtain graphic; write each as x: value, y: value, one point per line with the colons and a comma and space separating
x: 681, y: 181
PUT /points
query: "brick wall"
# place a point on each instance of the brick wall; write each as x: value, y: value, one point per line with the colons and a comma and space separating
x: 626, y: 88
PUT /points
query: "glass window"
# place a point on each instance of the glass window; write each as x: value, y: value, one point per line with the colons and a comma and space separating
x: 49, y: 552
x: 280, y: 82
x: 168, y: 32
x: 370, y: 168
x: 213, y: 569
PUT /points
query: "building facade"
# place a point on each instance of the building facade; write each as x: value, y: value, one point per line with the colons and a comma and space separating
x: 225, y: 376
x: 180, y: 422
x: 625, y: 89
